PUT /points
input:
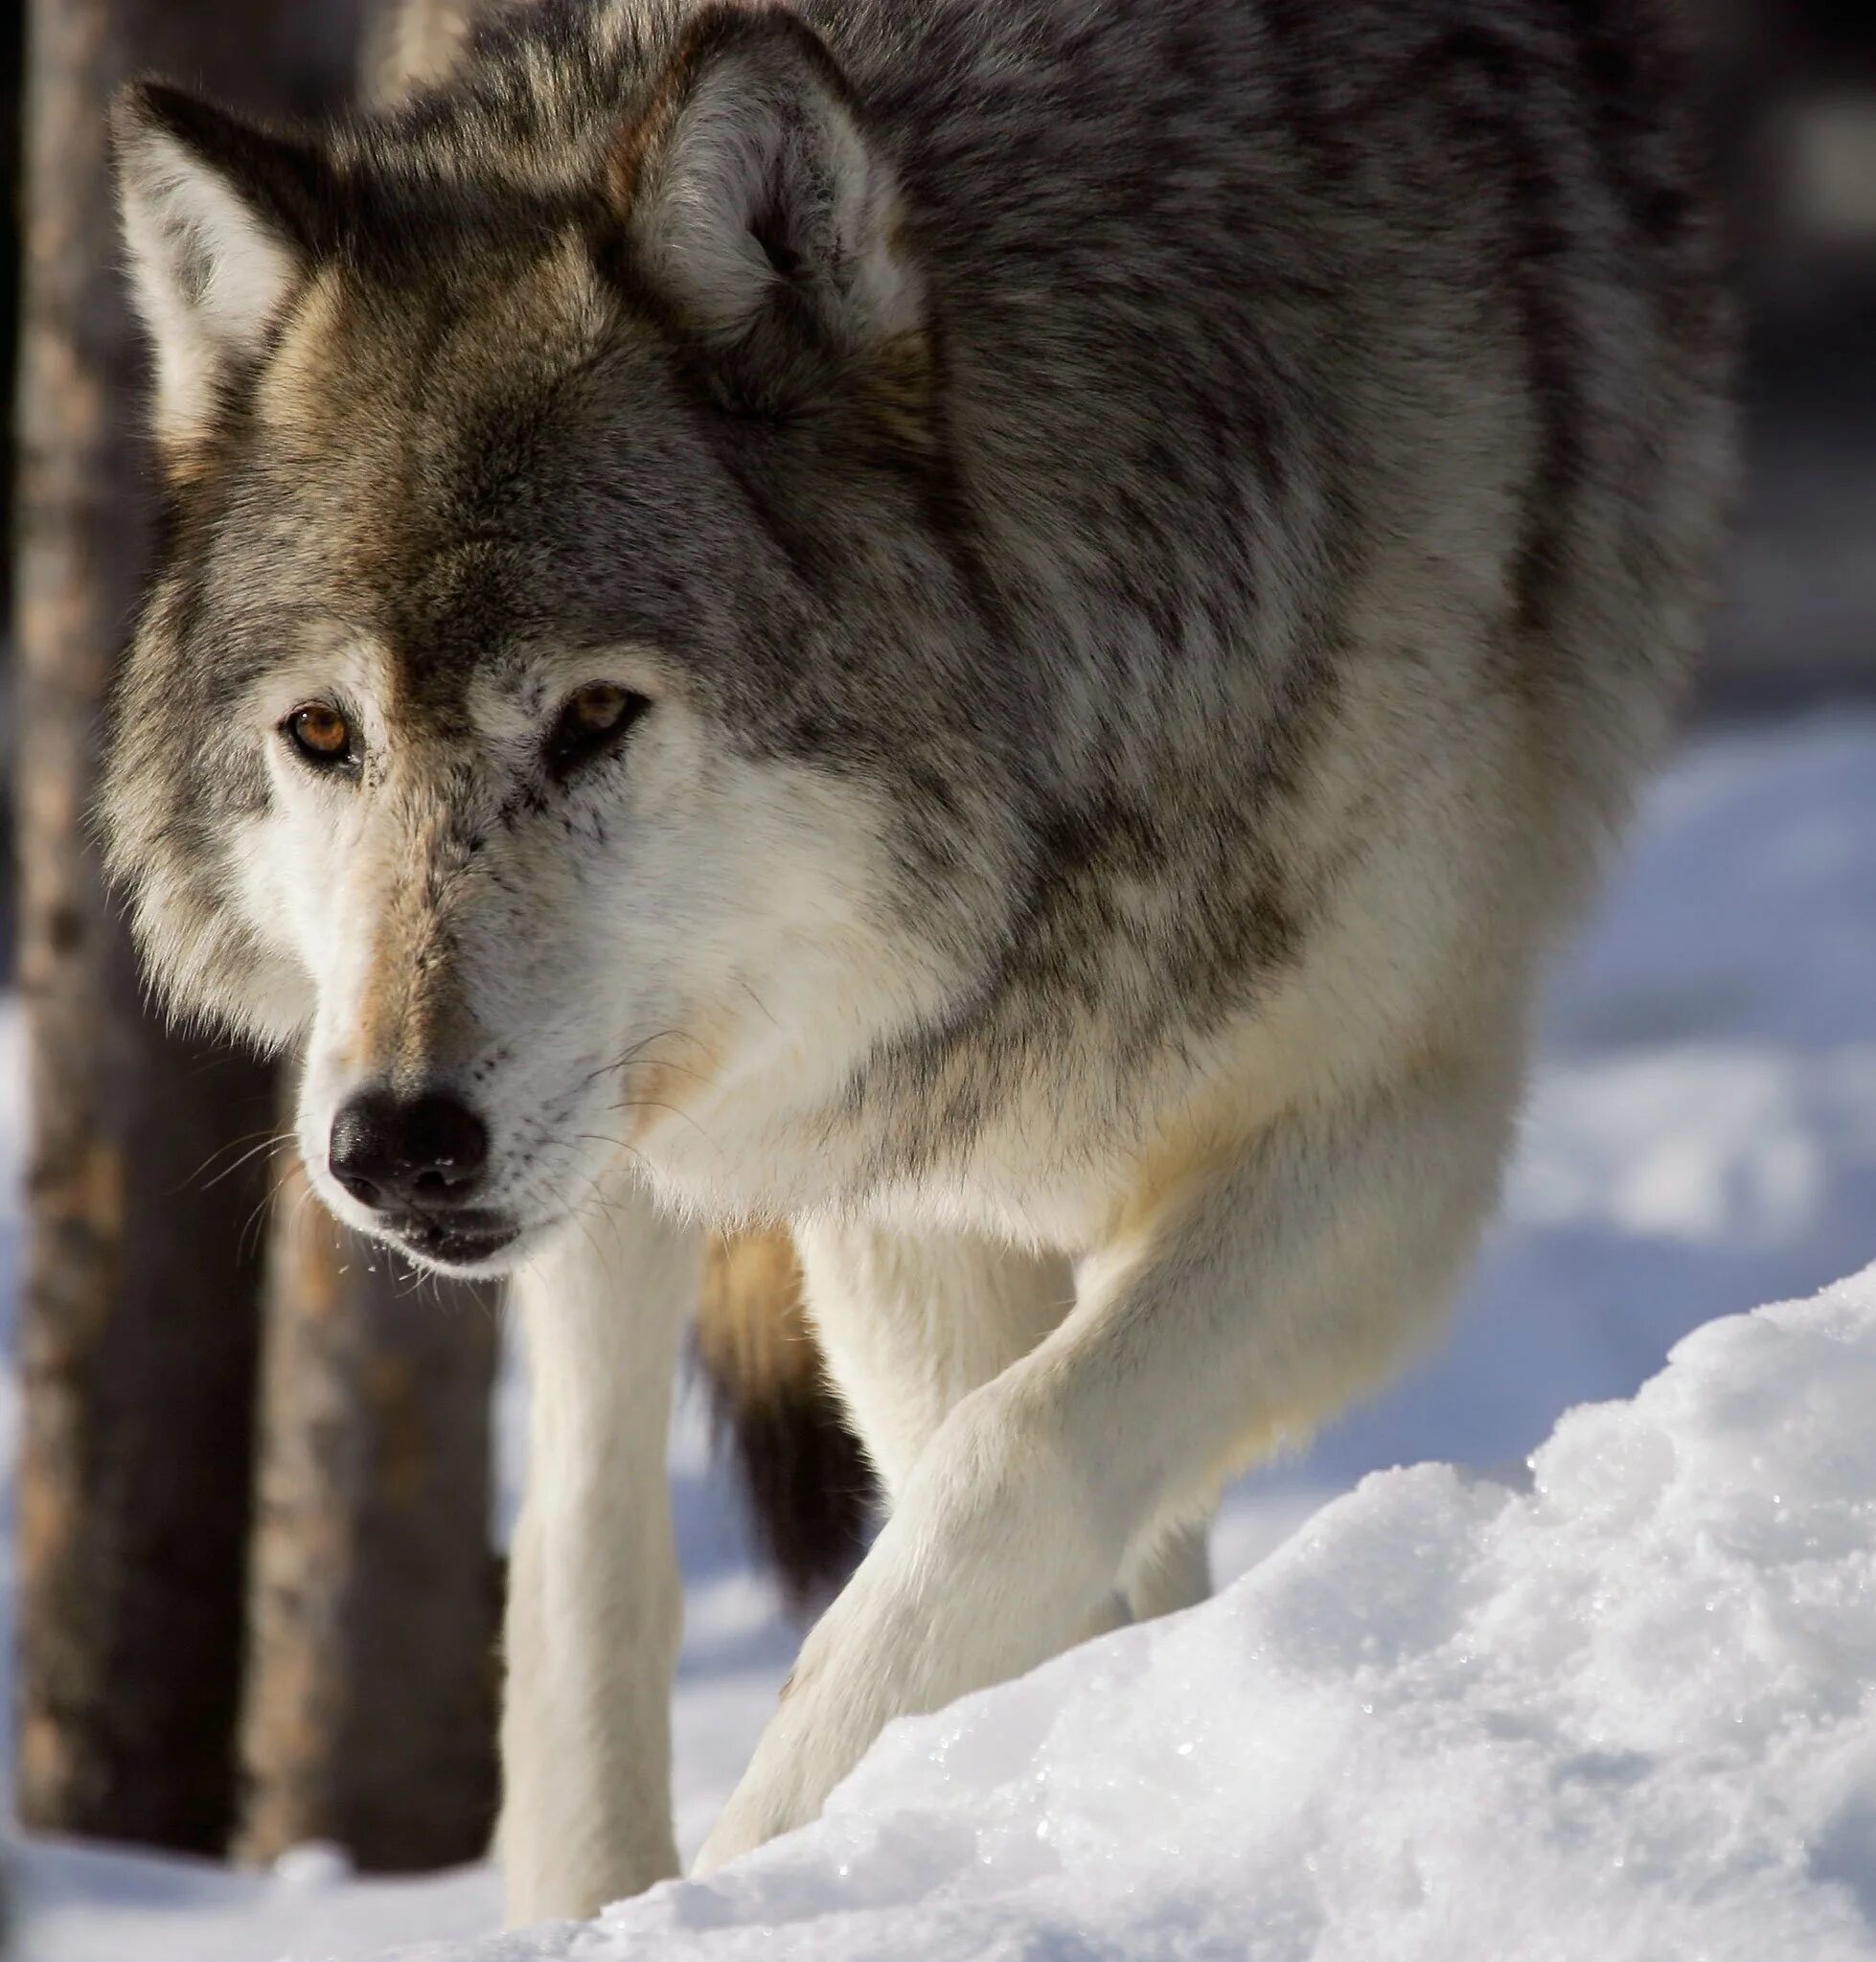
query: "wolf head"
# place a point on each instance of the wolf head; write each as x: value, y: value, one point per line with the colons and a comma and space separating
x: 550, y: 706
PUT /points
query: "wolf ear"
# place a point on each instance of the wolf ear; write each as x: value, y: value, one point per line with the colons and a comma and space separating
x: 220, y: 220
x: 759, y: 200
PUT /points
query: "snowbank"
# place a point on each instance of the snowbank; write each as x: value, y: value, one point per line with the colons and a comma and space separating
x: 1624, y: 1710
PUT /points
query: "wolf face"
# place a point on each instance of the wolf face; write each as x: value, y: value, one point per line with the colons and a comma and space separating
x: 483, y: 728
x: 885, y: 641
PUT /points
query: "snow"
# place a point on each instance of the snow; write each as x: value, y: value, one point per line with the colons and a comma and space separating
x: 1661, y: 1670
x: 1629, y: 1711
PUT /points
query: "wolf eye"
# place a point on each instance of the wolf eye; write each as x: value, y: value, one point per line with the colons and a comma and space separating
x: 320, y: 734
x: 593, y: 718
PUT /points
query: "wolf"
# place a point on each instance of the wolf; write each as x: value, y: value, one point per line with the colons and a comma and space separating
x: 995, y: 637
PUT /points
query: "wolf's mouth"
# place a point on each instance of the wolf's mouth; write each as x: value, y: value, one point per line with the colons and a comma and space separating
x: 466, y: 1239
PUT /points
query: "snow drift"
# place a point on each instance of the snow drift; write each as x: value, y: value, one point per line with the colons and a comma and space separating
x: 1624, y: 1707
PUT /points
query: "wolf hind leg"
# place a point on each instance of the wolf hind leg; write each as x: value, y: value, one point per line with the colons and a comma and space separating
x: 912, y: 1323
x: 1170, y: 1568
x: 593, y: 1607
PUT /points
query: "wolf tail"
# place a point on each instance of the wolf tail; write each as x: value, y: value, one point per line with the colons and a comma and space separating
x: 807, y: 1487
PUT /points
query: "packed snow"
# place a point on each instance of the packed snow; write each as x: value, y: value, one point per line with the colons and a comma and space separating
x: 1623, y: 1709
x: 1632, y: 1655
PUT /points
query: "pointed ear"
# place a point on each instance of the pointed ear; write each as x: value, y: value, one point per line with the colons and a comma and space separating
x: 760, y: 201
x: 221, y: 221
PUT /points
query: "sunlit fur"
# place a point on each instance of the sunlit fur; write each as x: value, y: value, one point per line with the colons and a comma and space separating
x: 1159, y: 537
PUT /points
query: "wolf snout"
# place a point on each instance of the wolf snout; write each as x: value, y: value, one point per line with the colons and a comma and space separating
x: 408, y: 1154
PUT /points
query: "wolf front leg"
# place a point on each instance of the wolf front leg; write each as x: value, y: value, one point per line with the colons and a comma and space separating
x: 1253, y: 1296
x: 593, y: 1606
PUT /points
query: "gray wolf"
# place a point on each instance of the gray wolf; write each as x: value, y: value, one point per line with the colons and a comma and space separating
x: 997, y: 635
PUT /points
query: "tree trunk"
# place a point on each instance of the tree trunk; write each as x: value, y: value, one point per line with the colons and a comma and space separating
x: 370, y: 1716
x: 137, y: 1328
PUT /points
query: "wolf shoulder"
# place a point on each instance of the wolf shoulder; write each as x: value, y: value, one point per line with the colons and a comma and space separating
x: 1316, y: 273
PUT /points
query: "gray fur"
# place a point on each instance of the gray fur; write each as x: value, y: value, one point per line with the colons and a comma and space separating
x: 1222, y: 299
x: 1159, y: 538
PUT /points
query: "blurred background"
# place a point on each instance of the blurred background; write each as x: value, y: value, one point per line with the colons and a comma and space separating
x: 257, y: 1482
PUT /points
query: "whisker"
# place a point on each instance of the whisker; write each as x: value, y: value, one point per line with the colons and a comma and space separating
x: 762, y: 1007
x: 272, y: 1144
x: 671, y: 1110
x: 267, y: 1136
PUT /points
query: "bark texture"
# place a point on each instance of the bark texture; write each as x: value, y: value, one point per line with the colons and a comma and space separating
x: 370, y: 1716
x: 137, y: 1328
x: 371, y: 1692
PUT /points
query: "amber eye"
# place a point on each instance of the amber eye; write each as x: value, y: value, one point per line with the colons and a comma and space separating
x: 320, y: 734
x: 591, y: 719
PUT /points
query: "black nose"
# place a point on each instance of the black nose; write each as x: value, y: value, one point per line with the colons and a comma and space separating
x: 392, y: 1153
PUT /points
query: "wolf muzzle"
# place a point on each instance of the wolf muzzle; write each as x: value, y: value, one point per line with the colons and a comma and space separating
x: 419, y: 1164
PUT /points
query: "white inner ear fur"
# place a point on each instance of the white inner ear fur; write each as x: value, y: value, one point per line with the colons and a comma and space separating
x: 208, y: 272
x: 747, y: 140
